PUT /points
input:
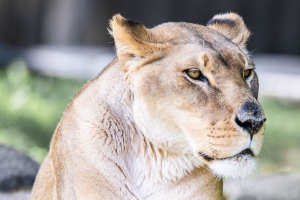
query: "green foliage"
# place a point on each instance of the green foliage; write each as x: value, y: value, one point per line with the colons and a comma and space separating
x: 31, y: 106
x: 282, y: 138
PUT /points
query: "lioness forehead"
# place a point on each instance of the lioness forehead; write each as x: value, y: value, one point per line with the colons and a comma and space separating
x: 211, y: 41
x: 180, y: 32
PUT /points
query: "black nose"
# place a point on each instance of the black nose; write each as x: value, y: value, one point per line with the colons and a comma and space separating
x: 250, y: 117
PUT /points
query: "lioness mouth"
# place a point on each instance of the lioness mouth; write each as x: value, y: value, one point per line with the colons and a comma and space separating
x: 244, y: 152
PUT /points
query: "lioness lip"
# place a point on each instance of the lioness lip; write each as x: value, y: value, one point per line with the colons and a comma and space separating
x: 244, y: 152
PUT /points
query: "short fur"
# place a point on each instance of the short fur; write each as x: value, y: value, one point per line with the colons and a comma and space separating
x: 143, y: 129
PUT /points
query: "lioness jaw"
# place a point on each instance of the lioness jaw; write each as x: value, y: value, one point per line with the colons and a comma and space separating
x: 175, y: 111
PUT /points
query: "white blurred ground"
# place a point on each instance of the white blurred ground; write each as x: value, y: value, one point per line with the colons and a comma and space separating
x: 20, y: 195
x: 275, y: 187
x: 279, y: 75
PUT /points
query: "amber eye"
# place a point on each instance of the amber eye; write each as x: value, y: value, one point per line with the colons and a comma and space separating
x: 193, y: 73
x: 196, y: 74
x: 247, y: 73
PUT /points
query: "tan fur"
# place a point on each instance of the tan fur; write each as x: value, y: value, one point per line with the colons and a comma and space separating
x: 136, y: 130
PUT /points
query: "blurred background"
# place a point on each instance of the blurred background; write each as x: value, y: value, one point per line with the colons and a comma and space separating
x: 49, y: 48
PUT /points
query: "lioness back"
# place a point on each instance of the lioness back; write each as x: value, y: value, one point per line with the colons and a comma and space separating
x: 172, y: 115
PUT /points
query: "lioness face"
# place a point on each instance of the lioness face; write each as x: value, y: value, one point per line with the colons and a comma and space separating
x: 199, y: 96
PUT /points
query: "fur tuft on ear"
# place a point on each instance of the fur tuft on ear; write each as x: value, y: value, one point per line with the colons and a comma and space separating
x: 133, y: 40
x: 232, y: 26
x: 127, y: 35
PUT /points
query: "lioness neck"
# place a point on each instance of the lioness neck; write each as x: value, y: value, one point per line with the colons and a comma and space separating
x: 154, y: 172
x: 160, y: 175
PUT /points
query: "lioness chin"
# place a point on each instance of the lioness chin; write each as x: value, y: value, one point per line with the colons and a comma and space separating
x: 172, y: 115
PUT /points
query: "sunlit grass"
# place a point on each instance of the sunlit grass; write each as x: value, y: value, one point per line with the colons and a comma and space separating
x: 31, y: 105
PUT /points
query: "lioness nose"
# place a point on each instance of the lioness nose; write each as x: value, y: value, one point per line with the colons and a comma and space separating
x: 250, y: 117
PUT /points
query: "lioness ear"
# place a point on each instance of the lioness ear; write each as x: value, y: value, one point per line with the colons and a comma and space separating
x: 232, y: 26
x: 132, y: 39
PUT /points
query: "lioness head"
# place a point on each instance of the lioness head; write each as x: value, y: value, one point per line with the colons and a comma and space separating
x: 194, y: 90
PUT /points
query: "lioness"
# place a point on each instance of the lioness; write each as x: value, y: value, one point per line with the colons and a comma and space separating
x: 172, y: 115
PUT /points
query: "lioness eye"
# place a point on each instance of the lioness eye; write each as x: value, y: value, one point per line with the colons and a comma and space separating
x: 196, y: 74
x: 247, y: 73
